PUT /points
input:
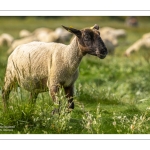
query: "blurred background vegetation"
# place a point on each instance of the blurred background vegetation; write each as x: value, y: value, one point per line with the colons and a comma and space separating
x: 12, y: 24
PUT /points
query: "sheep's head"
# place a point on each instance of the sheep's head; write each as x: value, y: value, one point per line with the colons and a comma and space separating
x: 90, y: 41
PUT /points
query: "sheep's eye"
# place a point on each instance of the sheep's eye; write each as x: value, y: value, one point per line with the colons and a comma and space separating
x: 87, y: 37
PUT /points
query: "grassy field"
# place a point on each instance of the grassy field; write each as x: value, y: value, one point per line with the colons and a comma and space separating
x: 112, y: 96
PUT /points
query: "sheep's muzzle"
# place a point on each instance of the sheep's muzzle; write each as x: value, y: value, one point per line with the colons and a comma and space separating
x: 101, y: 54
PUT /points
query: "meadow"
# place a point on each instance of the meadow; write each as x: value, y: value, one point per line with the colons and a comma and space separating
x: 112, y: 96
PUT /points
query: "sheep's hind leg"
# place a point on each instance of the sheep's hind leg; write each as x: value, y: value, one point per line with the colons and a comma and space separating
x: 5, y: 93
x: 69, y: 91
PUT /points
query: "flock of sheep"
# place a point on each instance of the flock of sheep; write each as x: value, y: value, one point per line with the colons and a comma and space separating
x: 39, y: 34
x: 109, y: 35
x: 39, y: 61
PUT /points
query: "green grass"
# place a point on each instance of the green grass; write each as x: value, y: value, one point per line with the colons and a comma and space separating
x: 111, y: 95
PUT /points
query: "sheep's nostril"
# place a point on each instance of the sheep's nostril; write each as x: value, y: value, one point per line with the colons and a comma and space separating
x: 104, y: 52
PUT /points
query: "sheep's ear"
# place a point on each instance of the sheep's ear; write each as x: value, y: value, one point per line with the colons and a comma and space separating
x: 95, y: 27
x: 73, y: 30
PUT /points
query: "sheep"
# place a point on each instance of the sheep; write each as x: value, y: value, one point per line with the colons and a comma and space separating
x: 18, y: 42
x: 110, y: 37
x: 39, y: 67
x: 24, y: 33
x: 132, y: 21
x: 110, y: 42
x: 48, y: 37
x: 39, y: 34
x: 41, y: 30
x: 63, y: 35
x: 146, y: 35
x: 143, y: 42
x: 6, y: 38
x: 116, y: 32
x: 109, y: 45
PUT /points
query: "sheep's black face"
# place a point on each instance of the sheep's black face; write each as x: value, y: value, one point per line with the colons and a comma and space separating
x: 92, y: 43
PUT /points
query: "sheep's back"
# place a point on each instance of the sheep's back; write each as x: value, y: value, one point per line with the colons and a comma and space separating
x: 31, y: 61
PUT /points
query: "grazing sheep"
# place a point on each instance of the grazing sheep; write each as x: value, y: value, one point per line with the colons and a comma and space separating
x: 48, y: 37
x: 143, y: 42
x: 42, y: 33
x: 111, y: 38
x: 115, y: 32
x: 63, y: 35
x: 6, y: 39
x: 24, y: 33
x: 38, y: 31
x: 39, y: 34
x: 39, y: 66
x: 146, y: 35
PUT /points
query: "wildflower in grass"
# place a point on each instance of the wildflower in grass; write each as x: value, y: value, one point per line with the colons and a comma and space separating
x: 114, y: 123
x: 132, y: 127
x: 11, y: 107
x: 92, y: 123
x: 148, y: 108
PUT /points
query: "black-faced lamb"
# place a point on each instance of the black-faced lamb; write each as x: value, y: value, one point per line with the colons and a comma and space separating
x: 39, y: 66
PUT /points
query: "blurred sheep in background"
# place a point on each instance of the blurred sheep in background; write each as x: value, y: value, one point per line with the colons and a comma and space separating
x: 18, y: 42
x: 6, y: 39
x: 24, y: 33
x: 110, y: 37
x: 63, y: 35
x: 40, y: 34
x: 144, y: 42
x: 132, y: 21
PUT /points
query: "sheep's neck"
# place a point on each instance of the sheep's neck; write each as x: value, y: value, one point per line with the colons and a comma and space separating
x: 73, y: 55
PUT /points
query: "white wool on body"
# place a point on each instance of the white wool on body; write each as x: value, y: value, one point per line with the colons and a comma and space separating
x: 37, y: 65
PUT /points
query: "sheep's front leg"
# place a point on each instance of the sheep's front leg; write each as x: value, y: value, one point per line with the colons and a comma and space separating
x: 53, y: 91
x: 69, y: 91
